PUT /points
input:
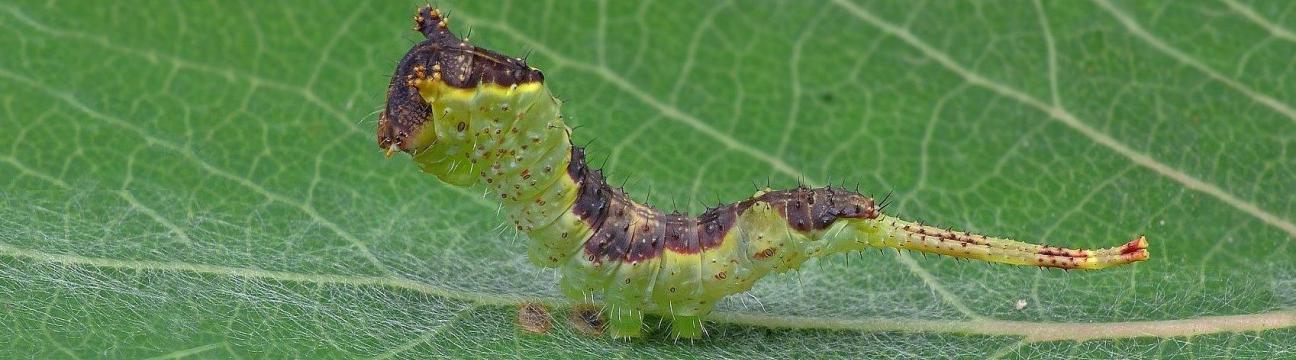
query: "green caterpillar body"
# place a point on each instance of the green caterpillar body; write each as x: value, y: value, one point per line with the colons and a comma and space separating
x: 470, y: 115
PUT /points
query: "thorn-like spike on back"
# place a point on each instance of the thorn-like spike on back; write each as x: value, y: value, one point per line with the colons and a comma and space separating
x: 431, y: 23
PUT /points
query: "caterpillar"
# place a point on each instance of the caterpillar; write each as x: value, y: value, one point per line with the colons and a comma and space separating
x: 470, y: 115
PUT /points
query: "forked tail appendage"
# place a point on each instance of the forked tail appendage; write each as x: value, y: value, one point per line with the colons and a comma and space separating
x: 901, y: 234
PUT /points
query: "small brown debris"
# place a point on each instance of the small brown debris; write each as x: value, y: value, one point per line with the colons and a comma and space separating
x: 533, y: 317
x: 587, y: 319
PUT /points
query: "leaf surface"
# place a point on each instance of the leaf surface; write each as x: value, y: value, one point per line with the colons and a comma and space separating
x: 200, y: 179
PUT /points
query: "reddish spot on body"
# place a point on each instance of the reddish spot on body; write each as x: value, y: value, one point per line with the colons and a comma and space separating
x: 1056, y: 251
x: 1136, y: 245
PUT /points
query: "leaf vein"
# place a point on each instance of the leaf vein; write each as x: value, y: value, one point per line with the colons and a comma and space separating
x: 1066, y: 118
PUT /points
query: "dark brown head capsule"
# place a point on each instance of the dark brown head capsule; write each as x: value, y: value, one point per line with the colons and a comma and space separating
x: 441, y: 59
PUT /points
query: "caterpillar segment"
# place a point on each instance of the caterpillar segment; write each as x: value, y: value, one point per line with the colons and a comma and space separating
x: 469, y: 115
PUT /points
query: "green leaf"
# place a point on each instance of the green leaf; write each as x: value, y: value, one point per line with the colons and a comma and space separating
x: 201, y: 178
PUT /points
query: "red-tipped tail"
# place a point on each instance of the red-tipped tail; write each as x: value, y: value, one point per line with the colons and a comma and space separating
x: 923, y: 238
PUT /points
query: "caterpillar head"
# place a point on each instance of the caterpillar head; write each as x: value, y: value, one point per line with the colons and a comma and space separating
x: 440, y: 64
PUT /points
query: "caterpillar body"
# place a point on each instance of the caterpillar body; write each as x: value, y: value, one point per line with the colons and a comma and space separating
x: 469, y: 115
